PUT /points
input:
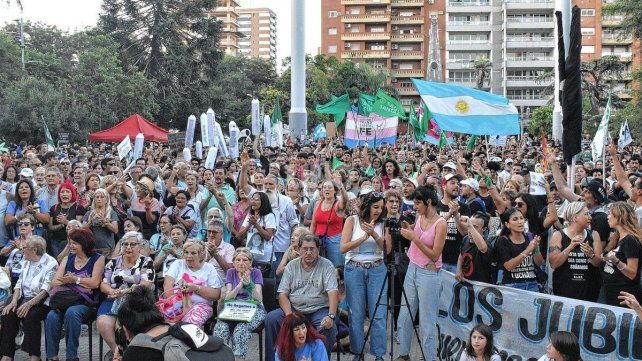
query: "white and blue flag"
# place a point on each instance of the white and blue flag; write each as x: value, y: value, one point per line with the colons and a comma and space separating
x: 319, y: 132
x: 464, y: 110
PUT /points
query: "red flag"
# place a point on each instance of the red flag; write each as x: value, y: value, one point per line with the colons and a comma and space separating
x: 546, y: 150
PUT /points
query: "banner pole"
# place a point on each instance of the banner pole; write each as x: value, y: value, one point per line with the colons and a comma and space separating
x: 487, y: 151
x: 606, y: 139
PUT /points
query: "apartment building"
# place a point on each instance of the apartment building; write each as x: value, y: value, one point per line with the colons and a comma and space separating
x: 258, y: 27
x: 227, y: 12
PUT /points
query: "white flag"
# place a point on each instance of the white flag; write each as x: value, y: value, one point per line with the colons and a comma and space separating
x: 625, y: 135
x: 597, y: 146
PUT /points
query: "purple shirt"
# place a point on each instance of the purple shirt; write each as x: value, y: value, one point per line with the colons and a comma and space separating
x: 234, y: 279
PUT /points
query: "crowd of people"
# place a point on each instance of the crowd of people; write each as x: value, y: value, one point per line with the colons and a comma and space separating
x: 302, y: 237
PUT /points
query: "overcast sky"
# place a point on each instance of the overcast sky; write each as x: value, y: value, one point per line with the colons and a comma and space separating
x: 74, y: 15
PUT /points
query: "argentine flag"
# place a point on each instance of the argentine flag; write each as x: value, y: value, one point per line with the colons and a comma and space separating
x: 319, y: 132
x: 464, y: 110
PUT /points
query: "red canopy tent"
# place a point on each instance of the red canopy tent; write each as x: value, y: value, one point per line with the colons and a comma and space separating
x: 131, y: 127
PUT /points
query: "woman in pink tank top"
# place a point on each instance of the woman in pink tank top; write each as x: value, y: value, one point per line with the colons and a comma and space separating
x: 422, y: 283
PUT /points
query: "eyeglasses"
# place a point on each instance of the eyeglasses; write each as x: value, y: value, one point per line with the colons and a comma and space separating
x: 24, y: 224
x: 65, y: 163
x: 308, y: 249
x: 130, y: 245
x: 209, y: 231
x: 113, y: 172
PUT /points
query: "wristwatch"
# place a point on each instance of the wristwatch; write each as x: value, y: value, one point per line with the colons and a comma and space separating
x: 332, y: 316
x: 77, y: 280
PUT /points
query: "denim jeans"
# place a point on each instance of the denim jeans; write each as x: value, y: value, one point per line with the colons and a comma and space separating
x: 532, y: 286
x: 362, y: 288
x: 273, y: 322
x: 278, y: 256
x: 452, y: 268
x: 423, y: 289
x: 72, y: 319
x: 332, y: 250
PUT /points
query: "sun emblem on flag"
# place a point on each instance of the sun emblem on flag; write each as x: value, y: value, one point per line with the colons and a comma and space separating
x: 462, y: 106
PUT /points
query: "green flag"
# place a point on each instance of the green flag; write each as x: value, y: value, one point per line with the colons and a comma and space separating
x: 387, y: 106
x: 413, y: 121
x: 442, y: 140
x: 277, y: 117
x: 366, y: 101
x: 336, y: 163
x: 337, y: 106
x: 48, y: 137
x: 471, y: 143
x: 425, y: 119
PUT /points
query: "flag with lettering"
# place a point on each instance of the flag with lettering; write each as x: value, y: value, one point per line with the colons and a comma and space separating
x: 625, y: 137
x: 370, y: 131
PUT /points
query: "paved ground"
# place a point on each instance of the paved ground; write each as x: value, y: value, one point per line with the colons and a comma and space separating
x: 253, y: 353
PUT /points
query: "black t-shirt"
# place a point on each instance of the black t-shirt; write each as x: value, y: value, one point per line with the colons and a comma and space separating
x: 507, y: 250
x: 490, y: 205
x: 627, y: 247
x: 476, y: 266
x: 72, y: 212
x: 600, y: 224
x: 571, y: 279
x: 454, y: 239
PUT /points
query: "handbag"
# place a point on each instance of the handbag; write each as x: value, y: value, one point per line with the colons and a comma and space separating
x: 174, y: 306
x: 65, y: 296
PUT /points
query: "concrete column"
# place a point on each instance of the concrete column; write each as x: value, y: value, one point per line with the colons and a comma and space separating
x: 298, y: 113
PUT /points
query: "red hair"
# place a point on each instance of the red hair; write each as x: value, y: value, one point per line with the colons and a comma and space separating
x: 285, y: 340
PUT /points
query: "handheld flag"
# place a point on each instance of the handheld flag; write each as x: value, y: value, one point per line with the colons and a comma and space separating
x: 597, y: 146
x: 464, y: 110
x: 338, y: 107
x: 387, y: 106
x: 277, y: 116
x: 471, y: 143
x: 413, y: 121
x: 49, y: 139
x: 336, y: 163
x: 366, y: 101
x: 434, y: 134
x: 625, y: 137
x: 442, y: 140
x: 319, y: 132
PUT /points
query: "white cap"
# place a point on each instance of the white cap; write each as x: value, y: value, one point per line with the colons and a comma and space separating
x: 508, y: 160
x: 472, y: 183
x: 26, y: 172
x: 450, y: 165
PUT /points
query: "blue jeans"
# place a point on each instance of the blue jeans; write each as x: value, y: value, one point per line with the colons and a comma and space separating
x: 278, y: 256
x: 524, y: 285
x: 273, y: 322
x: 72, y: 319
x: 452, y: 268
x: 423, y: 289
x: 362, y: 288
x: 333, y: 251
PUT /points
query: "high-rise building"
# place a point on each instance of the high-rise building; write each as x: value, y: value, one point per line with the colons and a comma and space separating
x: 601, y: 37
x: 227, y: 12
x: 258, y: 26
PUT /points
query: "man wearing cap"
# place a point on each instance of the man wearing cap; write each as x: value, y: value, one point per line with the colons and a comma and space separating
x: 407, y: 204
x: 450, y: 208
x: 470, y: 195
x: 506, y: 172
x: 26, y: 173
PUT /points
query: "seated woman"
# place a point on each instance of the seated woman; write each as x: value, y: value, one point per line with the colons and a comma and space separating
x: 197, y: 279
x: 293, y: 250
x: 160, y: 239
x: 28, y: 302
x: 14, y: 249
x: 81, y: 271
x: 170, y: 251
x: 298, y: 340
x: 129, y: 269
x: 242, y: 283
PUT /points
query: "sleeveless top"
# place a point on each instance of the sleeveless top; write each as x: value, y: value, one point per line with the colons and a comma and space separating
x: 369, y: 250
x: 571, y: 279
x: 328, y: 223
x: 427, y: 237
x: 86, y: 270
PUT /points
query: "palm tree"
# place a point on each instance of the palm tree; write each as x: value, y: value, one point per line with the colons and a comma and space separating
x: 483, y: 68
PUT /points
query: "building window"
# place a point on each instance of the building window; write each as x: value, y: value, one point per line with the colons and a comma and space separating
x: 333, y: 14
x: 332, y: 49
x: 406, y: 102
x: 378, y: 29
x: 355, y: 11
x: 588, y: 31
x: 405, y: 66
x: 332, y: 31
x: 588, y: 12
x: 588, y: 49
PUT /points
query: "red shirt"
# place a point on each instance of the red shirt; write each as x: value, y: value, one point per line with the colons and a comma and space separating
x: 328, y: 222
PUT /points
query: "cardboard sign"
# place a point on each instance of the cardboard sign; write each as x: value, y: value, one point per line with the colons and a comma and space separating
x: 331, y: 129
x: 124, y: 148
x: 239, y: 311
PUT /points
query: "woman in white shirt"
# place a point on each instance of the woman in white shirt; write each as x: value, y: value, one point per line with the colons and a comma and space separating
x: 29, y: 304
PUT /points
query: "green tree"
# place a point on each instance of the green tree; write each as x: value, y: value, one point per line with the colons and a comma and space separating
x: 599, y: 77
x: 171, y: 42
x: 631, y: 11
x: 483, y: 68
x: 541, y: 121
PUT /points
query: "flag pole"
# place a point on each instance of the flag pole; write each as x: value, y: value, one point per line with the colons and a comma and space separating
x: 487, y: 151
x: 606, y: 139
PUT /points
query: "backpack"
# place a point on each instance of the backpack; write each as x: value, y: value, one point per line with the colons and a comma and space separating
x: 185, y: 342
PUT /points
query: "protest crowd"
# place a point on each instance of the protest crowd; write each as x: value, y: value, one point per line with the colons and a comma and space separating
x: 295, y: 242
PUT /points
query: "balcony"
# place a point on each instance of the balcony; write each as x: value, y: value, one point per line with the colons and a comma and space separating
x: 612, y: 20
x: 407, y: 73
x: 365, y: 18
x: 530, y: 62
x: 407, y: 55
x: 365, y: 36
x: 406, y: 90
x: 625, y: 57
x: 365, y: 2
x: 452, y: 64
x: 526, y: 81
x: 528, y: 100
x: 407, y: 38
x: 471, y: 26
x: 416, y: 20
x: 527, y: 42
x: 530, y: 23
x: 529, y: 4
x: 614, y: 39
x: 467, y: 83
x: 407, y: 3
x: 468, y: 45
x: 365, y: 54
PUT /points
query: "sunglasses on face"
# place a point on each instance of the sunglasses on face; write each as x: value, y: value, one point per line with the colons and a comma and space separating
x: 24, y: 224
x: 113, y: 172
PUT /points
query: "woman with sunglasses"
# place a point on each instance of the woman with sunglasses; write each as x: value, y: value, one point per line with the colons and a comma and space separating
x: 129, y: 269
x: 570, y: 251
x: 14, y: 250
x: 517, y: 254
x: 364, y: 246
x: 25, y: 202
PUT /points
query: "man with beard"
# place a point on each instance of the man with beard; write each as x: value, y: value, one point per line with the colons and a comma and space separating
x: 221, y: 185
x: 353, y: 181
x: 286, y: 219
x: 450, y: 209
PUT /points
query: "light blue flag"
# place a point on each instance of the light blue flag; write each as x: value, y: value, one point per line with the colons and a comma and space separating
x: 435, y: 141
x: 464, y: 110
x: 319, y: 132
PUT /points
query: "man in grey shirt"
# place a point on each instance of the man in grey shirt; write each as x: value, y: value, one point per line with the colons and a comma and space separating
x: 309, y: 286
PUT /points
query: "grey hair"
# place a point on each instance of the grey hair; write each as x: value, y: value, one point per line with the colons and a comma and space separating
x: 202, y: 250
x: 243, y: 251
x: 137, y: 235
x: 153, y: 171
x: 73, y: 222
x: 38, y: 243
x: 572, y: 210
x: 216, y: 223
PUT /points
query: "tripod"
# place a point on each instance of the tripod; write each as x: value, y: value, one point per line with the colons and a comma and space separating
x: 391, y: 275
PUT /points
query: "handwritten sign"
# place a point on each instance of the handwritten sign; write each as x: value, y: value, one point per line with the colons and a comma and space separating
x: 239, y: 311
x: 124, y: 148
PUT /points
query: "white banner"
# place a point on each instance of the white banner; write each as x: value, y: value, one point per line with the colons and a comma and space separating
x: 625, y: 135
x: 599, y: 142
x: 124, y: 147
x: 522, y: 322
x: 497, y: 140
x: 256, y: 120
x: 205, y: 134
